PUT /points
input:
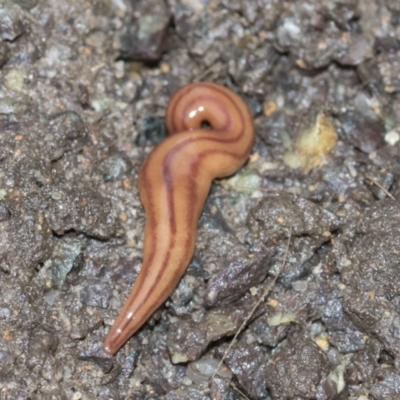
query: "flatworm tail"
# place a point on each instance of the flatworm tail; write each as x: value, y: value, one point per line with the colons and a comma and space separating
x: 211, y: 134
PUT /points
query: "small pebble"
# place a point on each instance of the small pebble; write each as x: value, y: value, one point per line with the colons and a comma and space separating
x: 56, y: 196
x: 322, y: 342
x: 14, y: 80
x: 77, y: 396
x: 392, y: 138
x: 164, y: 68
x: 119, y: 67
x: 270, y: 108
x: 300, y: 286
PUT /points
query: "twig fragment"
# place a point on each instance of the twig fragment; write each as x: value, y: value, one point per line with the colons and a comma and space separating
x: 384, y: 190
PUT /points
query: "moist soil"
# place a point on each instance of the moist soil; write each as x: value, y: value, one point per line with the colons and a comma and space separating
x: 83, y: 90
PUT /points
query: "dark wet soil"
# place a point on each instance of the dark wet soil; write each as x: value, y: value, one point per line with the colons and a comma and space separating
x: 83, y: 91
